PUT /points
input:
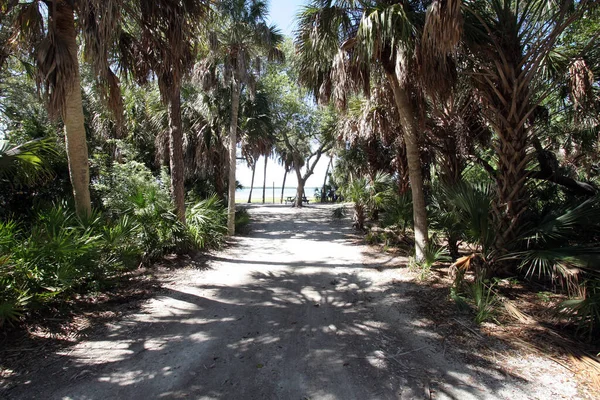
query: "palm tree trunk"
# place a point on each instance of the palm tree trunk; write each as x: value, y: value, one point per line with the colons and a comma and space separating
x: 235, y: 104
x: 409, y: 125
x: 252, y: 181
x: 265, y: 179
x: 402, y: 169
x: 75, y: 140
x: 323, y: 194
x: 283, y: 186
x: 176, y: 153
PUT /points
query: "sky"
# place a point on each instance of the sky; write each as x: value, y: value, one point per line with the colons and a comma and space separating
x: 282, y: 14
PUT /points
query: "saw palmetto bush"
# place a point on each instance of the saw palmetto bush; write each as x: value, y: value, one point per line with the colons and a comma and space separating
x: 207, y: 223
x: 357, y: 191
x: 397, y: 211
x: 561, y: 245
x: 462, y: 212
x: 584, y: 311
x: 130, y: 189
x: 59, y: 254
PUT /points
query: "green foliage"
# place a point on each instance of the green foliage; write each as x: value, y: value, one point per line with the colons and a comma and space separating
x: 125, y: 185
x: 60, y: 254
x: 484, y: 299
x: 561, y: 244
x: 367, y: 196
x: 398, y: 211
x: 357, y: 192
x: 433, y: 254
x: 242, y: 220
x: 338, y: 212
x: 464, y: 211
x: 585, y: 311
x: 206, y: 222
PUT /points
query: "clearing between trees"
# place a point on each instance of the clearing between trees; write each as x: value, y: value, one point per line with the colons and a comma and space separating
x: 297, y: 309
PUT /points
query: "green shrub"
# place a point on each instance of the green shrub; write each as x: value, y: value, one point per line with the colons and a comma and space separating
x: 242, y: 220
x: 207, y: 223
x: 484, y: 299
x: 338, y: 212
x: 584, y: 312
x: 131, y: 191
x: 59, y: 254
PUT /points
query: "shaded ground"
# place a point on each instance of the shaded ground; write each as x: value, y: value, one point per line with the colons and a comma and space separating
x: 295, y: 310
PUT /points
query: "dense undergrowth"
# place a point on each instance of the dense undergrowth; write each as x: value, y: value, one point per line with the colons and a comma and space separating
x: 53, y: 254
x: 557, y: 249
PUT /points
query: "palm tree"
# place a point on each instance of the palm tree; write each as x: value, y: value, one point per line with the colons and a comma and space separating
x: 510, y: 45
x: 257, y: 129
x: 285, y: 159
x: 340, y: 41
x: 241, y: 36
x: 46, y: 31
x: 161, y: 39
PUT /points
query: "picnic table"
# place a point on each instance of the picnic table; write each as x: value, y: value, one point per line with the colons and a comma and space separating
x: 292, y: 199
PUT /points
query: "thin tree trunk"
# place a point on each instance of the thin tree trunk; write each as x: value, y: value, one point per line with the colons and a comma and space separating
x: 265, y: 179
x: 252, y: 182
x: 299, y: 188
x: 75, y: 140
x: 409, y: 125
x: 235, y: 104
x: 176, y: 153
x: 323, y: 194
x: 283, y: 186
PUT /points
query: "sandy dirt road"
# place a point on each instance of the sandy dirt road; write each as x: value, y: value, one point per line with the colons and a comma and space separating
x: 294, y: 310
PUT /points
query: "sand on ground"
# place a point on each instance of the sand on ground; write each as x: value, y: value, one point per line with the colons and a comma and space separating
x: 298, y: 309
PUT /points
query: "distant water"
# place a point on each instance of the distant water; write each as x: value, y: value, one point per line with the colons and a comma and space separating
x: 257, y: 193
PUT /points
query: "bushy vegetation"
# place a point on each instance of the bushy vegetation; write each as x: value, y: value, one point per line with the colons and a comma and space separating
x: 55, y: 254
x: 475, y: 139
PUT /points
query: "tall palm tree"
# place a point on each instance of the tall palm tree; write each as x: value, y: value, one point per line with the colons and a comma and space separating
x: 161, y: 39
x: 241, y: 37
x: 257, y: 130
x: 341, y: 41
x: 510, y: 46
x: 285, y: 159
x: 46, y: 31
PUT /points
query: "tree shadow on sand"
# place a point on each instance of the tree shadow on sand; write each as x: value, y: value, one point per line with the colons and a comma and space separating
x: 288, y: 335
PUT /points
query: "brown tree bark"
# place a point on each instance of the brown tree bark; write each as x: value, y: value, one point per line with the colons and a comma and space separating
x: 252, y: 182
x: 235, y: 104
x: 283, y: 186
x: 299, y: 188
x: 408, y: 121
x: 72, y: 114
x: 176, y: 154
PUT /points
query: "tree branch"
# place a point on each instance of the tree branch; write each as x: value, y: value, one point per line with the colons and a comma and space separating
x: 569, y: 183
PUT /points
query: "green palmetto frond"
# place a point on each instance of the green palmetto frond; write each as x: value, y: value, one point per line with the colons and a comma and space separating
x: 27, y: 162
x: 339, y: 41
x: 37, y: 32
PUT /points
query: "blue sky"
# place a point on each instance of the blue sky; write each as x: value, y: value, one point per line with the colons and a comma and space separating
x: 282, y: 14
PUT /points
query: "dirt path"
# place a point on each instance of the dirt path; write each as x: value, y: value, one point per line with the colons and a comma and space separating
x: 292, y: 311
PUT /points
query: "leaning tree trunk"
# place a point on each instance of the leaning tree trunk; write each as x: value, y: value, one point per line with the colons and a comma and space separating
x: 176, y: 153
x: 402, y: 169
x: 323, y: 194
x: 265, y: 179
x: 408, y: 121
x: 299, y: 189
x: 235, y: 104
x: 75, y: 140
x: 252, y: 181
x: 283, y: 186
